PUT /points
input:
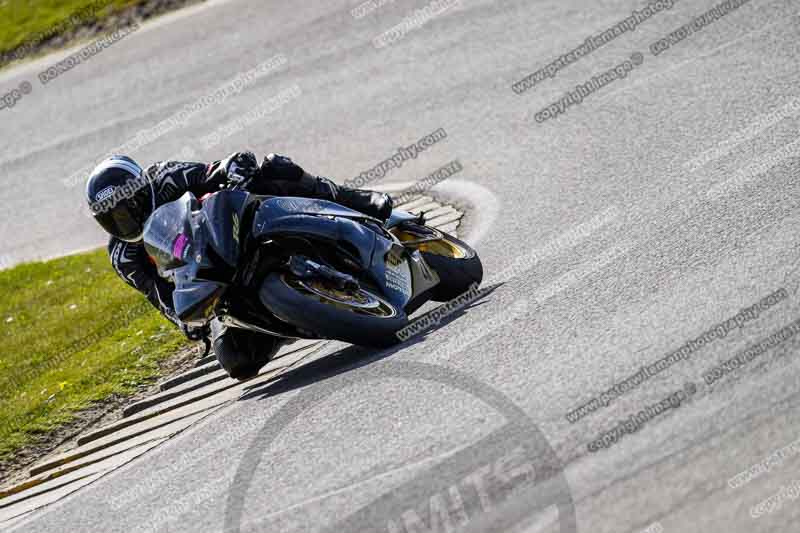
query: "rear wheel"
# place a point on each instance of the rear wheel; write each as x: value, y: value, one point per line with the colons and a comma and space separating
x: 457, y: 264
x: 356, y: 316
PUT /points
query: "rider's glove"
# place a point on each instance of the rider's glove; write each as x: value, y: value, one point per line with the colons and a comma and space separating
x: 234, y: 168
x: 240, y: 165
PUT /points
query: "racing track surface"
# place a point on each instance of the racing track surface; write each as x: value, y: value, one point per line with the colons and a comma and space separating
x: 629, y: 251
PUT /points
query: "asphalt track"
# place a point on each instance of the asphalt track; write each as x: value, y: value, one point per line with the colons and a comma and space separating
x: 627, y: 257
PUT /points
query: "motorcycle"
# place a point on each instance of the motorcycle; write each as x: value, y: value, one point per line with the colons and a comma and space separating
x: 303, y: 268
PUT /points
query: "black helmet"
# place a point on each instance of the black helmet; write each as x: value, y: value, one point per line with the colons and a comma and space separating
x: 120, y: 197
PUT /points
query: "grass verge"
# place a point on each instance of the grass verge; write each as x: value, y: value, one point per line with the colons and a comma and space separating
x: 24, y: 20
x: 71, y: 333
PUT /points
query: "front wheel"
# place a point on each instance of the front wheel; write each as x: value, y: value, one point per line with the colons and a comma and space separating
x: 356, y: 316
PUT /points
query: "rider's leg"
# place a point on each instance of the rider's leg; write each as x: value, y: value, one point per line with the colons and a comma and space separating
x: 282, y: 177
x: 372, y: 203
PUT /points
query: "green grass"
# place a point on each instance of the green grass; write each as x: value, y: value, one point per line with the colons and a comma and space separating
x: 71, y: 333
x: 21, y: 20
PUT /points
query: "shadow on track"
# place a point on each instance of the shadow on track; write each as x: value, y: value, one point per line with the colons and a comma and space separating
x: 347, y: 359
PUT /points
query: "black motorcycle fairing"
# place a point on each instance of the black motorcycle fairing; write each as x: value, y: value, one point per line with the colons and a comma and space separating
x: 197, y: 247
x: 296, y: 205
x: 195, y: 301
x: 318, y: 219
x: 223, y: 213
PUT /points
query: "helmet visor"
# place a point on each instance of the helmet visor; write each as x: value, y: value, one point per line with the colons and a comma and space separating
x: 121, y: 222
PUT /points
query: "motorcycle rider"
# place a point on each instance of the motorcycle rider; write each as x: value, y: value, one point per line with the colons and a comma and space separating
x: 122, y: 196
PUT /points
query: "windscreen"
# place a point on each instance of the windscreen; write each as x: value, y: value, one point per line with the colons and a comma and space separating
x: 168, y: 234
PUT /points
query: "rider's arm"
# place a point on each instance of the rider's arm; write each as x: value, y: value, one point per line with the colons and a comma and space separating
x: 130, y: 262
x: 171, y: 179
x: 277, y: 176
x: 280, y: 176
x: 236, y: 166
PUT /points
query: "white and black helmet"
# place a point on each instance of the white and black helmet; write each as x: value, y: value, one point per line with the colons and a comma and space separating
x: 120, y: 197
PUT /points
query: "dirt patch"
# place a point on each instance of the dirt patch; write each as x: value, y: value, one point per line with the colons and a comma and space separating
x: 99, y: 414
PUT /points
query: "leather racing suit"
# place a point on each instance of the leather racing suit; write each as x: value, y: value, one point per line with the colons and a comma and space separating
x: 240, y: 352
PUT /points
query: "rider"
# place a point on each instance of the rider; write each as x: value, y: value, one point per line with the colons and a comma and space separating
x: 122, y: 196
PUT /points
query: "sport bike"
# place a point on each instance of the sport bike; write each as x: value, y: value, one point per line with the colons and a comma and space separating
x: 303, y: 268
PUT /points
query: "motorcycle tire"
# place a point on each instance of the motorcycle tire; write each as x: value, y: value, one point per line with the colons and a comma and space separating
x: 360, y: 318
x: 457, y: 264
